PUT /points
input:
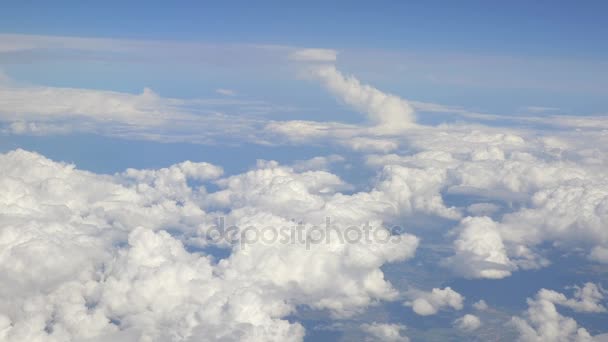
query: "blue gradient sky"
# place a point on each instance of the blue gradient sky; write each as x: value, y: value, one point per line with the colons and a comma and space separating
x: 483, y: 56
x: 518, y: 27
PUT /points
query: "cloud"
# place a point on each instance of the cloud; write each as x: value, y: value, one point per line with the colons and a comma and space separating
x: 599, y: 254
x: 40, y: 110
x: 21, y: 42
x: 429, y: 303
x: 125, y: 255
x: 225, y: 92
x: 389, y: 113
x: 99, y: 248
x: 46, y: 102
x: 540, y: 109
x: 384, y: 332
x: 14, y: 48
x: 480, y: 305
x: 542, y: 321
x: 480, y: 251
x: 586, y: 298
x: 468, y: 323
x: 314, y: 55
x: 537, y: 191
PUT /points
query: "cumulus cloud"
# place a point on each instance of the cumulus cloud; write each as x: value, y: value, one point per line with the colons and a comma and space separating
x: 468, y: 323
x: 479, y: 250
x: 542, y: 321
x: 599, y: 254
x: 429, y: 303
x: 124, y: 256
x: 480, y: 305
x: 572, y: 212
x: 585, y: 299
x: 388, y: 112
x: 90, y: 257
x: 531, y: 193
x: 384, y: 332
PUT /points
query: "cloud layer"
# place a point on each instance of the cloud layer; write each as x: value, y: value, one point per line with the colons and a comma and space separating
x: 129, y: 256
x: 89, y: 256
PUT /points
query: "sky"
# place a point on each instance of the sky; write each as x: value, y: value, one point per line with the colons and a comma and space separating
x: 342, y: 171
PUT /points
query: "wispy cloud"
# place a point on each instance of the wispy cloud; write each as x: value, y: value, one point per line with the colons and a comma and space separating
x: 225, y: 92
x: 540, y: 109
x: 314, y: 55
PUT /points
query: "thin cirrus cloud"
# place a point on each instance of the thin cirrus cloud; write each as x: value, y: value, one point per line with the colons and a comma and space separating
x: 42, y: 110
x: 225, y: 92
x: 26, y: 109
x: 314, y: 55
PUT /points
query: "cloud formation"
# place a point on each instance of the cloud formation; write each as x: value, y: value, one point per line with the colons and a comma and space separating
x: 468, y: 323
x: 429, y: 303
x: 98, y: 257
x: 384, y: 332
x: 542, y: 321
x: 99, y: 248
x: 389, y: 113
x: 314, y: 55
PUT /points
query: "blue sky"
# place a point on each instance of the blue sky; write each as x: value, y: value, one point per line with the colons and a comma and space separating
x: 474, y: 132
x: 464, y: 54
x: 540, y: 28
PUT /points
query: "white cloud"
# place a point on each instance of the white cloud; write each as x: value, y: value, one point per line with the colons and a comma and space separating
x: 429, y: 303
x: 546, y: 195
x: 384, y: 332
x: 599, y: 254
x: 468, y: 323
x: 480, y: 305
x: 540, y: 109
x: 19, y: 42
x: 586, y: 298
x: 225, y: 92
x: 542, y: 321
x: 572, y: 212
x: 98, y: 247
x: 47, y: 102
x: 317, y: 163
x: 389, y: 113
x: 480, y: 251
x: 314, y: 55
x: 40, y: 110
x: 127, y: 50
